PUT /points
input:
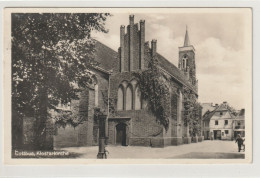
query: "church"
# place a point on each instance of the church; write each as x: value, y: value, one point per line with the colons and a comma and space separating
x: 116, y: 93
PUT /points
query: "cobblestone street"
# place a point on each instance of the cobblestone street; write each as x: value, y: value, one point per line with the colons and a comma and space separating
x: 202, y: 150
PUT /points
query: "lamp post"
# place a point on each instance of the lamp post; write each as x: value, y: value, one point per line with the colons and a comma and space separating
x: 102, y: 136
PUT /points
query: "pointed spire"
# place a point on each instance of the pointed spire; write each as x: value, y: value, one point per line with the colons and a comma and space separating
x: 186, y: 40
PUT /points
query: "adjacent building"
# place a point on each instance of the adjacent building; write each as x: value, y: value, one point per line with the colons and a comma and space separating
x: 239, y: 124
x: 220, y: 123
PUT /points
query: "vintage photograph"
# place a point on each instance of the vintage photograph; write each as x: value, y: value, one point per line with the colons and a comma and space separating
x: 170, y: 83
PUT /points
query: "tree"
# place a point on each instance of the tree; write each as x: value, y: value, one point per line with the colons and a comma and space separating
x: 192, y: 112
x: 51, y: 54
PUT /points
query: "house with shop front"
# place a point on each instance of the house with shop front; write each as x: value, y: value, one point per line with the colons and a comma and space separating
x: 130, y: 122
x: 220, y: 123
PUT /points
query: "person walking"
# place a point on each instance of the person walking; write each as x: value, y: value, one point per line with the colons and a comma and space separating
x: 239, y: 142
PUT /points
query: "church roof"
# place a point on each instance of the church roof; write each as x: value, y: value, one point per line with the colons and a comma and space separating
x: 108, y: 59
x: 105, y: 56
x: 174, y: 71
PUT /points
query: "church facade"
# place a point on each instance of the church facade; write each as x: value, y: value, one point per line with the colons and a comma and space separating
x: 130, y: 122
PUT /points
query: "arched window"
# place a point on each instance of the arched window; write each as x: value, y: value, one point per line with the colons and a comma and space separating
x: 129, y: 98
x: 184, y: 61
x: 120, y: 99
x: 137, y: 98
x: 96, y: 95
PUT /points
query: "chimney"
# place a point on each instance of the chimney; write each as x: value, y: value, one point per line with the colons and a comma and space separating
x: 131, y: 36
x: 154, y: 47
x: 142, y: 41
x: 122, y: 47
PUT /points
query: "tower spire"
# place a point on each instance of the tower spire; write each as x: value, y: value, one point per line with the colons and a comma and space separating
x: 186, y: 40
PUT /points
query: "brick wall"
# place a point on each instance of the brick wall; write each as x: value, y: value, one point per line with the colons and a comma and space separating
x: 132, y: 45
x: 86, y: 134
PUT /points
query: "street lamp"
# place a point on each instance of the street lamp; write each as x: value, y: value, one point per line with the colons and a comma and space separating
x: 102, y: 136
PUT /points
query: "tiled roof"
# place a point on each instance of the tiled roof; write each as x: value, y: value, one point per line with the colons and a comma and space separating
x: 208, y: 115
x: 240, y: 117
x: 220, y: 108
x: 174, y: 71
x: 106, y: 56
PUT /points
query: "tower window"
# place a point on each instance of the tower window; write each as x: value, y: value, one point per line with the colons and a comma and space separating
x: 184, y: 61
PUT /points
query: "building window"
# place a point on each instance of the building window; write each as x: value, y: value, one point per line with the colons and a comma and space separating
x: 183, y: 63
x: 226, y: 122
x: 226, y: 132
x: 120, y: 99
x: 221, y: 113
x: 216, y: 122
x: 129, y: 99
x: 222, y: 133
x: 137, y: 98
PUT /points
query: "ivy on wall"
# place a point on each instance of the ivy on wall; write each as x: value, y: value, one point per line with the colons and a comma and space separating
x: 154, y: 90
x: 192, y: 112
x: 72, y: 118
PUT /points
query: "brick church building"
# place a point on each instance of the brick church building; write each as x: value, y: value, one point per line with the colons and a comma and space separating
x: 131, y: 122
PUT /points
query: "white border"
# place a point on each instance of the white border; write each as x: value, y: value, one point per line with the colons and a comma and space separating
x: 151, y: 170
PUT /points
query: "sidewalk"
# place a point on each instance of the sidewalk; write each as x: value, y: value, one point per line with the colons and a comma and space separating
x: 206, y: 149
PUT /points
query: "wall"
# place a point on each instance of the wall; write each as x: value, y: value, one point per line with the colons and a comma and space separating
x: 86, y: 134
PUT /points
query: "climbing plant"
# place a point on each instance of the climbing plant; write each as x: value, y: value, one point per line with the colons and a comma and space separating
x: 192, y: 112
x: 154, y: 90
x: 72, y: 117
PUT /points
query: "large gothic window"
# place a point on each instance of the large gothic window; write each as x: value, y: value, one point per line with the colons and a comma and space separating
x: 120, y: 99
x: 137, y: 98
x: 129, y: 98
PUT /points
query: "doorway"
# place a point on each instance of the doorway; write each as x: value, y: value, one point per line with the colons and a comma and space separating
x: 217, y: 134
x: 121, y: 134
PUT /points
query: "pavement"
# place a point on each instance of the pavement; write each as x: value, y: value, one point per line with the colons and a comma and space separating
x: 207, y: 149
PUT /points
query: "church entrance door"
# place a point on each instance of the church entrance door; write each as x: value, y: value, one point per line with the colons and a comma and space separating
x: 121, y: 134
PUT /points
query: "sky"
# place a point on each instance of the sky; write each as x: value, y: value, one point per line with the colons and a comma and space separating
x: 218, y: 39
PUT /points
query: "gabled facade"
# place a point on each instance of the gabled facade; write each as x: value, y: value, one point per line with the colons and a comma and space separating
x: 219, y: 123
x: 131, y: 122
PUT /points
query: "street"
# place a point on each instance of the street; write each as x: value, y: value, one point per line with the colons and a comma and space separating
x: 207, y: 149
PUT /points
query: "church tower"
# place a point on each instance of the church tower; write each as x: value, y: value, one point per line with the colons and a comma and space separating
x: 187, y: 59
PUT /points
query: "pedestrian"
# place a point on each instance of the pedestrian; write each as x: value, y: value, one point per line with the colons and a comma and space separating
x: 239, y: 142
x: 211, y: 136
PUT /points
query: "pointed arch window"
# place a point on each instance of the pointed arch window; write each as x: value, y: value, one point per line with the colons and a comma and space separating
x: 137, y: 98
x: 129, y: 98
x: 184, y: 61
x: 120, y: 99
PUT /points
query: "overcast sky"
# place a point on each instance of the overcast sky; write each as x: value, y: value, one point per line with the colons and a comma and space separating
x: 218, y: 39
